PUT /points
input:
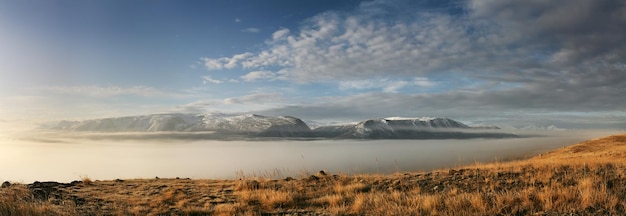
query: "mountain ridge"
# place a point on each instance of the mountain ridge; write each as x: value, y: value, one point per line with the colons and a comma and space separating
x: 253, y: 125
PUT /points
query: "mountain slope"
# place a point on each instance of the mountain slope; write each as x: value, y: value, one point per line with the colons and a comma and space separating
x: 233, y: 126
x: 255, y: 125
x: 414, y: 128
x: 258, y: 125
x: 149, y: 123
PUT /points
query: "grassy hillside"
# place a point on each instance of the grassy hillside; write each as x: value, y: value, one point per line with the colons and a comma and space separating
x: 587, y: 178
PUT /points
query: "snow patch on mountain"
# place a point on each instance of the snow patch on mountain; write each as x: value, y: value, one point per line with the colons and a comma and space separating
x: 252, y: 126
x: 149, y: 123
x: 393, y: 127
x: 252, y: 123
x: 238, y: 124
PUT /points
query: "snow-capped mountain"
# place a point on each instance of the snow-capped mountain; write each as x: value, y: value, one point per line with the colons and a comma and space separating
x: 252, y: 125
x: 236, y: 124
x: 148, y: 123
x: 404, y: 128
x: 398, y: 127
x: 280, y: 126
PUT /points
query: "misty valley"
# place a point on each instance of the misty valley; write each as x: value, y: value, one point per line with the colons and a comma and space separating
x: 66, y: 156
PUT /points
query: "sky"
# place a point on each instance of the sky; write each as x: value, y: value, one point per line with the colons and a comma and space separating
x: 522, y: 64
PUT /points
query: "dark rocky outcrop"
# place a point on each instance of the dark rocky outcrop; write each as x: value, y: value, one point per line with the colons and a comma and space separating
x: 47, y: 190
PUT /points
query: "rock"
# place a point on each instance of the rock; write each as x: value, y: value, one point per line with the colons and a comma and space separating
x: 5, y: 184
x: 40, y: 194
x: 315, y: 178
x: 321, y: 173
x: 78, y: 200
x: 49, y: 184
x: 289, y: 178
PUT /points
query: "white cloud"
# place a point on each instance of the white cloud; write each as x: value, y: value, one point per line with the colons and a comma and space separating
x: 424, y: 82
x: 256, y: 98
x: 395, y: 86
x: 280, y: 34
x: 224, y: 62
x: 561, y: 55
x: 496, y: 40
x: 208, y: 79
x: 251, y: 30
x: 213, y: 64
x: 337, y: 47
x: 258, y: 75
x: 201, y: 106
x: 385, y: 84
x: 232, y: 62
x: 237, y: 20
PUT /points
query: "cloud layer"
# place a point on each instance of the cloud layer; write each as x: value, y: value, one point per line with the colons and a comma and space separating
x: 489, y: 56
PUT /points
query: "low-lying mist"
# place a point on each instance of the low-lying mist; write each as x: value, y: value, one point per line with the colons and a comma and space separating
x: 66, y: 157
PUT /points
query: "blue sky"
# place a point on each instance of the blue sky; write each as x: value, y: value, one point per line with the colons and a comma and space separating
x: 508, y: 63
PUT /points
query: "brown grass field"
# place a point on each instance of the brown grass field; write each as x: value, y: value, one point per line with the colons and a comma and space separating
x: 587, y: 178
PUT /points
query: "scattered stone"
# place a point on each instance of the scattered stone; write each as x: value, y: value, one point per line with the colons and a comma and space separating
x: 314, y: 178
x: 40, y: 194
x: 49, y: 184
x: 77, y: 200
x: 5, y: 184
x: 119, y: 180
x: 322, y: 173
x: 289, y: 178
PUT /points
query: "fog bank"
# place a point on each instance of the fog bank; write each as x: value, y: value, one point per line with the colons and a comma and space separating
x: 59, y: 158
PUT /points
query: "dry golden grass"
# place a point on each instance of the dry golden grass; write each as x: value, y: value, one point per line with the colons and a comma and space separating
x: 18, y: 201
x: 588, y: 178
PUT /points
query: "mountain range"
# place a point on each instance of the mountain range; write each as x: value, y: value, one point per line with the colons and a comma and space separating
x: 252, y: 126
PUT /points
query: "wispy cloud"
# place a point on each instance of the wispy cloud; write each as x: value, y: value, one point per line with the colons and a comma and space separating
x: 386, y: 84
x: 209, y: 79
x: 251, y: 30
x: 256, y: 98
x: 259, y: 75
x: 559, y: 55
x: 109, y: 91
x: 224, y: 62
